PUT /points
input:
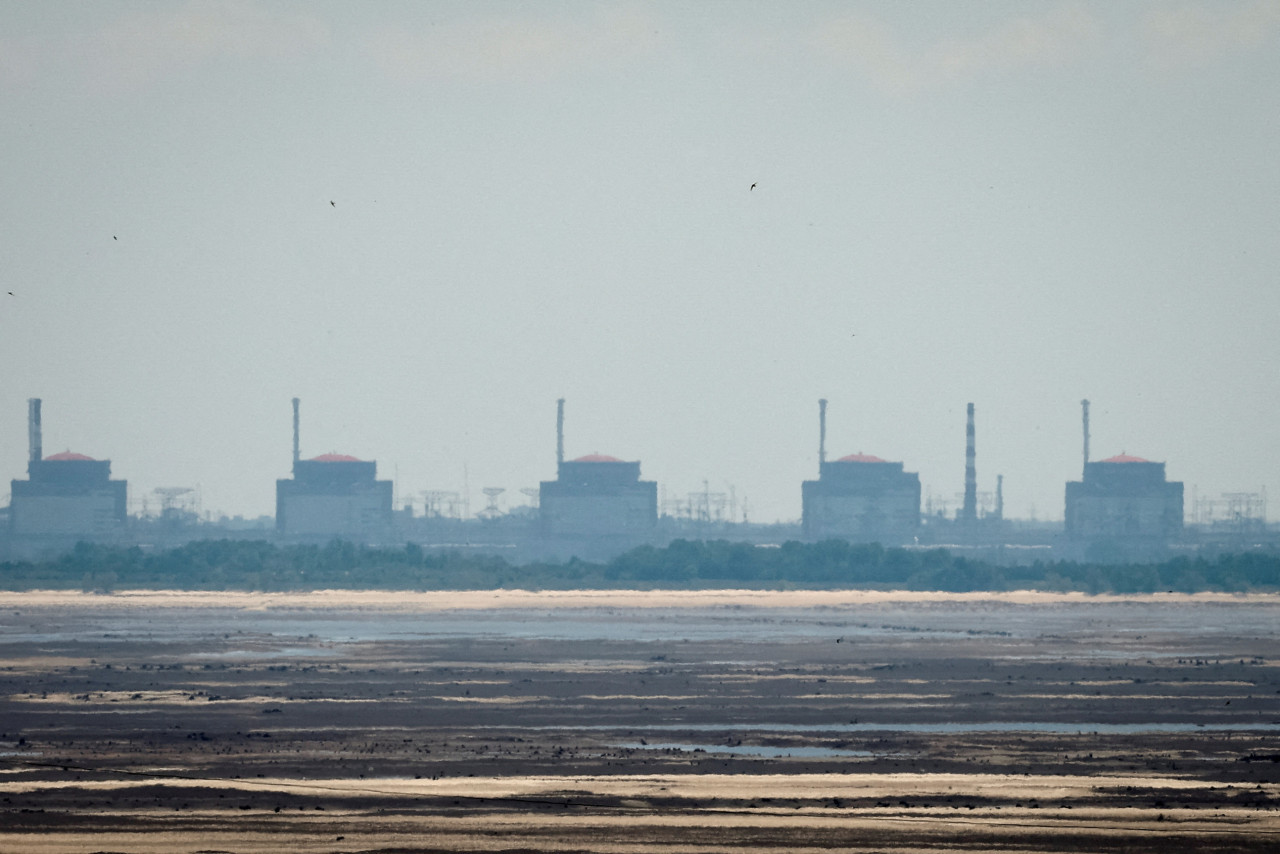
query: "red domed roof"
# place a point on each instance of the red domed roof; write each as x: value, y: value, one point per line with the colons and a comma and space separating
x: 334, y: 458
x: 860, y: 458
x: 1124, y: 458
x: 70, y: 455
x: 596, y: 458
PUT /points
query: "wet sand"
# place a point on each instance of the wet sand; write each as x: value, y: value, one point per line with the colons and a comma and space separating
x: 608, y: 721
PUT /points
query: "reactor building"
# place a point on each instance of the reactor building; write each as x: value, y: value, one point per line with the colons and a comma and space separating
x: 859, y: 498
x: 66, y: 497
x: 332, y: 495
x: 1122, y: 498
x: 596, y: 496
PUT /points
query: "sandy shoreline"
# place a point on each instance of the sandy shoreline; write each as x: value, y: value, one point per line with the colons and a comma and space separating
x: 412, y: 601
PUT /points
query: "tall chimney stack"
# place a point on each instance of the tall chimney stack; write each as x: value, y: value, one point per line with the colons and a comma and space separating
x: 999, y: 497
x: 1084, y: 406
x: 296, y: 453
x: 970, y: 511
x: 822, y: 434
x: 559, y: 435
x: 34, y: 441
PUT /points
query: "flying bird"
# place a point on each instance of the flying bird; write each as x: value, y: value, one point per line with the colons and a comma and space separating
x: 752, y: 187
x: 331, y: 204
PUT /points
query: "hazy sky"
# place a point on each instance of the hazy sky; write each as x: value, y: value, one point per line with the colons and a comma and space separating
x: 1017, y: 204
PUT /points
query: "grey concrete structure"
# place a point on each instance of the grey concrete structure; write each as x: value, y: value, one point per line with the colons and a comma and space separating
x: 68, y: 496
x: 598, y: 496
x: 862, y: 498
x: 333, y: 495
x: 1124, y: 497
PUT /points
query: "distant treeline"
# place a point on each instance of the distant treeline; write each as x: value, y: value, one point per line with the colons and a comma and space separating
x: 259, y: 565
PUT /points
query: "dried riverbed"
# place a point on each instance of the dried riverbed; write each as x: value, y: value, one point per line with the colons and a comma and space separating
x: 638, y: 722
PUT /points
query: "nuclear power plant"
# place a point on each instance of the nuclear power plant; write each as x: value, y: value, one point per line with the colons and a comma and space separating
x: 597, y: 506
x: 1123, y: 498
x: 332, y: 495
x: 67, y: 497
x: 859, y: 497
x: 596, y: 497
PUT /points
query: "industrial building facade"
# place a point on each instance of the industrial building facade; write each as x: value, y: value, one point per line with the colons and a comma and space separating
x: 333, y: 495
x: 861, y: 498
x: 598, y: 496
x: 66, y: 497
x: 1123, y: 497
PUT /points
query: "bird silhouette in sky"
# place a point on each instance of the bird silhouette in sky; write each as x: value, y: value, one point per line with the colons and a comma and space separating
x: 331, y: 204
x: 752, y: 187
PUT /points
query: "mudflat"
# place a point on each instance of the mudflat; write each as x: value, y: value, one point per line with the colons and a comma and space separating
x: 609, y: 721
